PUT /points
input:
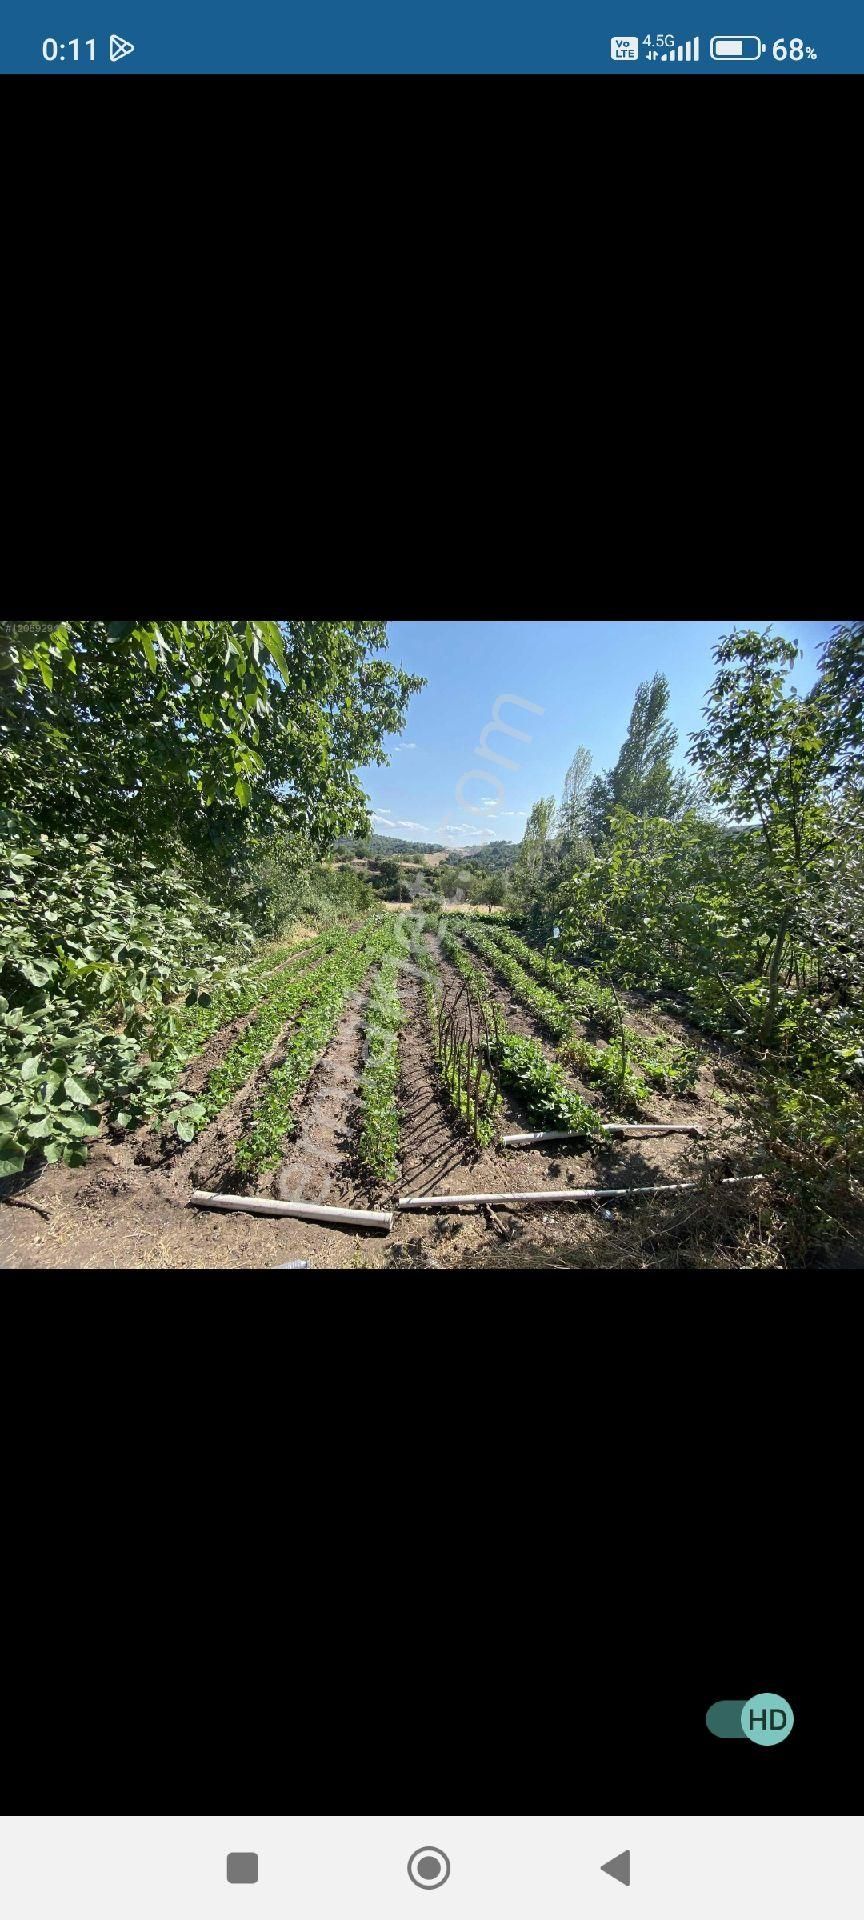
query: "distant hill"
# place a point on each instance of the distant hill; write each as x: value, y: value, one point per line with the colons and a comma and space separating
x: 382, y: 846
x: 494, y: 858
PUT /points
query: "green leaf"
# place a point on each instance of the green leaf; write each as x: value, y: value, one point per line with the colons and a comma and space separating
x: 82, y: 1125
x: 83, y: 1092
x: 11, y: 1159
x: 38, y: 972
x: 185, y: 1128
x: 53, y: 1150
x: 273, y: 642
x: 149, y: 649
x: 243, y: 792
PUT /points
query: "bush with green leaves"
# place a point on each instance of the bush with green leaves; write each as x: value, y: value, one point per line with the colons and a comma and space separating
x: 286, y: 884
x: 92, y: 947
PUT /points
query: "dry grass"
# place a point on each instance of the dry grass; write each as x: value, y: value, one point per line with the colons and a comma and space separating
x: 705, y: 1229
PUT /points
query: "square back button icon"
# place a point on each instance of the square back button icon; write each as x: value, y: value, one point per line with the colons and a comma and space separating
x: 242, y: 1869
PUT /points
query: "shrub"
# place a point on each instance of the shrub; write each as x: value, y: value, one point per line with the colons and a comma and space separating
x: 93, y: 945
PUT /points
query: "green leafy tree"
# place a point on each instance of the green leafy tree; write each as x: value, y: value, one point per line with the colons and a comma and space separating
x: 839, y: 693
x: 765, y: 757
x: 657, y: 905
x: 394, y: 880
x: 213, y: 732
x: 536, y: 864
x: 642, y: 779
x: 573, y: 843
x: 488, y: 890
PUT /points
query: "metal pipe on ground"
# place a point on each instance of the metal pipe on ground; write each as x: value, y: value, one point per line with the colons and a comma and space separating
x: 637, y: 1126
x: 296, y: 1209
x: 563, y: 1193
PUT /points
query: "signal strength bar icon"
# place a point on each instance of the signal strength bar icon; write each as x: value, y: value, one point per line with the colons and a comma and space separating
x: 685, y: 50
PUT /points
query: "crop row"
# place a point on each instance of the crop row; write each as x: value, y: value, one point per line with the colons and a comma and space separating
x: 379, y: 1134
x: 581, y: 992
x: 554, y: 1017
x: 286, y: 995
x: 453, y: 951
x: 272, y: 1119
x: 539, y: 1084
x: 470, y: 1088
x: 180, y: 1034
x: 521, y: 1066
x: 632, y: 1065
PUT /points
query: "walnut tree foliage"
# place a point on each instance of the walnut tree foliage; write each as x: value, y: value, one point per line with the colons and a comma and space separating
x: 214, y: 732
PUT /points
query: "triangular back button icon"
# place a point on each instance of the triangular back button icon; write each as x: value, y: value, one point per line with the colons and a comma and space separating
x: 619, y: 1868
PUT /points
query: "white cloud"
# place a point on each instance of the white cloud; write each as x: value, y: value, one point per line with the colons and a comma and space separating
x: 406, y: 746
x: 488, y: 803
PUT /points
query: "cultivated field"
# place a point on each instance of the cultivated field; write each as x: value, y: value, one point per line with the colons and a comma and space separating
x: 386, y: 1059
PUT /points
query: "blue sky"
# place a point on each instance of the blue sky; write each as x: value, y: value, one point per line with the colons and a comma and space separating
x: 581, y: 675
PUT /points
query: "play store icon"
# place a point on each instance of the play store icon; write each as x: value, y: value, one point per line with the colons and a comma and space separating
x: 120, y: 48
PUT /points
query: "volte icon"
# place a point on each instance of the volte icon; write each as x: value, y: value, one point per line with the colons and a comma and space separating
x: 120, y: 48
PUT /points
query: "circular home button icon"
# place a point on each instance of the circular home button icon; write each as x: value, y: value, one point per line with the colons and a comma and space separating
x: 428, y: 1867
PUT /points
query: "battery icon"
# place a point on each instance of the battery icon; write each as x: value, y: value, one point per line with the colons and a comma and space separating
x: 746, y: 46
